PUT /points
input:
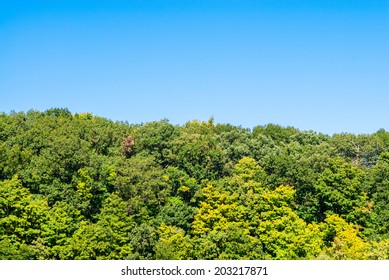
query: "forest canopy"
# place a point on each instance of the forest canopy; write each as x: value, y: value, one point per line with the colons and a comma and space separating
x: 79, y: 186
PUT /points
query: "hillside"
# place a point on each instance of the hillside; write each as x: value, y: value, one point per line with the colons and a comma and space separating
x: 79, y: 186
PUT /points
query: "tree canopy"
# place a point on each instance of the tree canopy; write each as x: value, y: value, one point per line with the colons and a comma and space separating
x: 79, y: 186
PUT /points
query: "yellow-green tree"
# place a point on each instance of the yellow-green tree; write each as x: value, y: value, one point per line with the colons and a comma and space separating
x: 343, y: 240
x: 282, y: 233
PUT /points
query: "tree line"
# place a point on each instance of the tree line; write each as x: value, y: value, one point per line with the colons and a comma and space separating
x: 79, y: 186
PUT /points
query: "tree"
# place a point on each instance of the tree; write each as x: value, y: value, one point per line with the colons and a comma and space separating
x: 344, y: 242
x: 358, y: 149
x: 156, y: 139
x: 140, y: 181
x: 61, y: 223
x: 108, y: 239
x: 144, y: 238
x: 176, y: 213
x: 340, y: 191
x: 377, y: 186
x: 197, y: 152
x: 21, y: 218
x: 277, y: 133
x: 172, y: 244
x: 282, y: 233
x: 219, y: 230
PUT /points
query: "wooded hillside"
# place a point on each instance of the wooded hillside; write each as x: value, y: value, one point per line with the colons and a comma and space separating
x: 79, y: 186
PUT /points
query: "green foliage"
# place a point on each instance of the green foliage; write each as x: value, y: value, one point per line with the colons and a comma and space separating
x: 234, y: 141
x: 109, y: 238
x: 176, y: 213
x: 339, y: 190
x: 384, y: 137
x: 78, y: 186
x: 156, y: 139
x: 343, y: 240
x: 21, y: 214
x: 283, y: 234
x: 377, y: 186
x: 248, y: 170
x: 233, y: 242
x: 359, y: 149
x: 172, y: 244
x: 182, y: 185
x: 197, y: 152
x: 22, y: 217
x: 143, y: 240
x: 277, y: 133
x: 140, y: 181
x: 58, y: 112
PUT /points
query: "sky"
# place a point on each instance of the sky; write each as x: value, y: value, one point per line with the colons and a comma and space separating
x: 318, y: 65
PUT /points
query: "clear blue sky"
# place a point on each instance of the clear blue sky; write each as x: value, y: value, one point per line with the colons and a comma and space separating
x: 320, y: 65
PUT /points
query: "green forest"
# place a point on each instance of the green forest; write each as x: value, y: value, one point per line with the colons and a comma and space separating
x: 80, y: 186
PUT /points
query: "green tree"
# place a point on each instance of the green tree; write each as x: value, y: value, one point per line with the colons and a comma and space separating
x: 108, y: 239
x: 282, y: 233
x: 144, y: 238
x: 140, y: 181
x: 343, y: 240
x: 21, y: 218
x: 340, y: 191
x: 156, y: 139
x: 277, y: 133
x: 197, y: 152
x: 377, y: 186
x: 176, y: 213
x: 360, y: 149
x: 61, y: 223
x: 172, y: 244
x: 219, y: 228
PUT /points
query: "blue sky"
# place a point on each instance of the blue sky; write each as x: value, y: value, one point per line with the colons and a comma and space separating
x: 318, y: 65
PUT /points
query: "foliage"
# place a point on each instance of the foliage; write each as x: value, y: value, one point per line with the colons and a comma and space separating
x: 78, y: 186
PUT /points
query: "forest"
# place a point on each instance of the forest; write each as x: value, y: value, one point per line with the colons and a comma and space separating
x: 76, y: 186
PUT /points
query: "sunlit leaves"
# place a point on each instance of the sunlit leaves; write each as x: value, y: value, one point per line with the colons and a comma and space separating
x: 283, y: 234
x: 343, y: 240
x: 172, y: 244
x: 78, y: 186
